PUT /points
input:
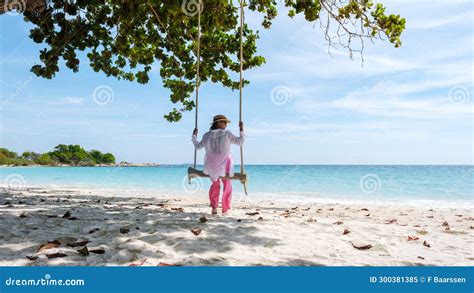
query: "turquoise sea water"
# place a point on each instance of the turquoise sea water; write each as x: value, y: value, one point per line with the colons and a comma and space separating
x: 444, y: 183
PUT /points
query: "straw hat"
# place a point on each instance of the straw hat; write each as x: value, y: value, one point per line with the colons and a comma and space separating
x: 219, y: 118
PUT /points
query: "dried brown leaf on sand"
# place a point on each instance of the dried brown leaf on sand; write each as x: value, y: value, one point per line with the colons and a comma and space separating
x: 78, y: 244
x: 124, y: 230
x: 361, y: 247
x: 163, y: 264
x: 94, y: 230
x: 196, y: 231
x: 97, y: 251
x: 252, y: 213
x: 138, y: 263
x: 49, y: 245
x: 285, y: 214
x: 56, y: 255
x: 83, y: 251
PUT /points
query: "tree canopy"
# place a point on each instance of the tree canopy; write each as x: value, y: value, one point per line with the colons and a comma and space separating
x: 125, y: 38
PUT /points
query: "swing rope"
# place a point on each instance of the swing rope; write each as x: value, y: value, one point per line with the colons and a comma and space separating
x: 240, y: 84
x: 197, y: 76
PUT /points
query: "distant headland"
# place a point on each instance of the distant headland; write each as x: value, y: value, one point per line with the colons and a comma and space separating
x: 64, y: 156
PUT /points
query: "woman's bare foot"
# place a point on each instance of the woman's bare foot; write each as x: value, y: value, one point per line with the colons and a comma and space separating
x: 214, y: 211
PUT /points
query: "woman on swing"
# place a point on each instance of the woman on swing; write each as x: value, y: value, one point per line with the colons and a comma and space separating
x: 218, y: 159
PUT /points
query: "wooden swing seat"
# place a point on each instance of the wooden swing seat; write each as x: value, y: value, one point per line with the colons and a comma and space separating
x: 242, y: 177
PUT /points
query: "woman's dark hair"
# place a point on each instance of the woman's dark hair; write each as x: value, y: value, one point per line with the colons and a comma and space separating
x: 214, y: 125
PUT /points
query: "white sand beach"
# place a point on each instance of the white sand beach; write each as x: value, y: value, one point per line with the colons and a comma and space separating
x: 50, y: 227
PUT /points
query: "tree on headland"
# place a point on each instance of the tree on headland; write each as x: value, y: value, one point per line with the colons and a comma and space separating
x: 11, y: 158
x: 77, y: 154
x: 7, y: 154
x: 45, y: 159
x: 73, y: 155
x: 100, y: 158
x: 32, y: 156
x: 108, y: 158
x: 7, y: 157
x: 125, y: 38
x: 96, y: 155
x: 61, y: 154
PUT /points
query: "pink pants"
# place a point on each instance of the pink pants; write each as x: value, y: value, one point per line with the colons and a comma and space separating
x: 227, y: 193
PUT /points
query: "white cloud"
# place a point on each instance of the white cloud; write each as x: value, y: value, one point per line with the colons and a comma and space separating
x: 266, y: 128
x: 67, y: 101
x: 158, y: 135
x: 358, y: 103
x: 433, y: 23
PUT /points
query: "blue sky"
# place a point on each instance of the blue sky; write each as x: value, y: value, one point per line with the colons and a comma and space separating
x: 412, y: 105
